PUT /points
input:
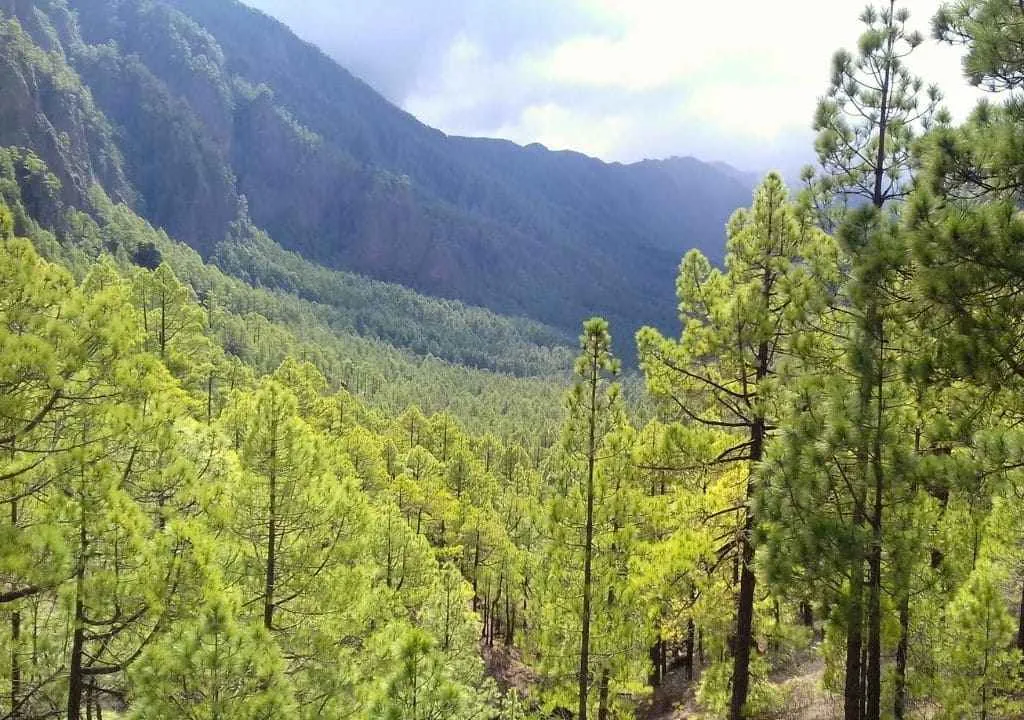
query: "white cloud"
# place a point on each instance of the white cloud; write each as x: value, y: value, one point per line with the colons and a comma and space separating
x: 734, y: 80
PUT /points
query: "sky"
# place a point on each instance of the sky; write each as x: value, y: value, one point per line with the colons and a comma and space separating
x: 623, y: 80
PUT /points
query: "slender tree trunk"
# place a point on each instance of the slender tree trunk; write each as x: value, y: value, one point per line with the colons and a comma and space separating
x: 270, y: 579
x: 209, y: 398
x: 900, y: 701
x: 744, y: 638
x: 602, y: 696
x: 654, y: 680
x: 15, y: 639
x: 1020, y: 621
x: 495, y: 616
x: 487, y: 614
x: 878, y: 196
x: 806, y: 614
x: 15, y: 664
x: 744, y: 630
x: 665, y: 659
x: 864, y: 678
x: 874, y: 679
x: 690, y: 633
x: 163, y: 324
x: 76, y: 677
x: 852, y: 686
x: 510, y: 613
x: 476, y: 570
x: 874, y: 647
x: 588, y: 543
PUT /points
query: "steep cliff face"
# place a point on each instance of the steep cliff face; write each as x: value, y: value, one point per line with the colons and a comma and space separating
x: 183, y: 107
x: 184, y: 181
x: 47, y: 109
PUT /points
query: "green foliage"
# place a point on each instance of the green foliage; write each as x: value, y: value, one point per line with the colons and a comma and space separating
x: 133, y: 527
x: 992, y: 31
x: 427, y: 326
x: 212, y: 667
x: 981, y: 674
x: 233, y: 498
x: 874, y: 107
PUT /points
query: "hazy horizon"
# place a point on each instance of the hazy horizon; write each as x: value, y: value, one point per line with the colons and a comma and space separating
x: 616, y: 79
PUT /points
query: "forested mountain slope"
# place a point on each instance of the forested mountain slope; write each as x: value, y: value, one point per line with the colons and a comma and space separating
x: 192, y: 104
x: 47, y: 112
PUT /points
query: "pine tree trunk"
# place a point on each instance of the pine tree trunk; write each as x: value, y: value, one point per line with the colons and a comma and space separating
x: 874, y: 679
x: 1020, y: 621
x: 602, y: 700
x: 495, y: 617
x: 864, y: 679
x: 163, y: 325
x: 588, y: 545
x: 487, y: 614
x: 806, y: 614
x: 691, y: 631
x: 874, y: 650
x: 744, y: 638
x: 654, y: 679
x: 15, y: 664
x: 852, y: 682
x: 744, y: 631
x: 877, y: 196
x: 510, y: 623
x: 270, y: 579
x: 900, y: 702
x: 476, y: 570
x: 209, y: 399
x: 664, y: 659
x: 15, y: 639
x: 75, y: 673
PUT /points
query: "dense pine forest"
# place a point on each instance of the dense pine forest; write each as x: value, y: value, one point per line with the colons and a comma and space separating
x: 241, y: 485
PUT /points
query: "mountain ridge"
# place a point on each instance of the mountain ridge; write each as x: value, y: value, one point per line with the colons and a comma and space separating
x: 219, y: 111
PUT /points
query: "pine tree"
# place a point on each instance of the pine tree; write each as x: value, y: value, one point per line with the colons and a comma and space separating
x: 867, y: 124
x: 568, y: 619
x: 868, y: 119
x: 212, y: 668
x: 992, y: 31
x: 981, y: 668
x: 722, y: 372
